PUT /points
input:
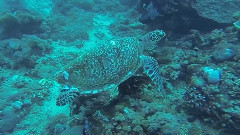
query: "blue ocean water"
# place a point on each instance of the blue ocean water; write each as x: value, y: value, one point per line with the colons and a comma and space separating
x: 119, y: 67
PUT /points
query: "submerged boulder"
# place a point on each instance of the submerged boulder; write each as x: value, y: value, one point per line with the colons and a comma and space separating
x: 221, y: 11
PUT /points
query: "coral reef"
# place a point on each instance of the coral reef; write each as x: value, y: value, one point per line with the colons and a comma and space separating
x: 18, y: 23
x: 23, y: 52
x: 198, y: 61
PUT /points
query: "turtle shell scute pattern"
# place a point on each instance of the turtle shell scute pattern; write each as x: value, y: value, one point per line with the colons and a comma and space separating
x: 110, y: 62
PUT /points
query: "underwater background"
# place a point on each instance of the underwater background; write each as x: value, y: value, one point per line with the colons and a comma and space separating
x: 198, y: 61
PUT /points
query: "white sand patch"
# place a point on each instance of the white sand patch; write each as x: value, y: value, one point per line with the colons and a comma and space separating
x: 101, y: 24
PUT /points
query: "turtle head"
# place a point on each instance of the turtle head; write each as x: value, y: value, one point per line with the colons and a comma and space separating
x: 150, y: 39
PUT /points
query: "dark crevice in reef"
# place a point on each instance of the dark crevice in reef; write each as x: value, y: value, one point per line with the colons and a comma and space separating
x: 178, y: 18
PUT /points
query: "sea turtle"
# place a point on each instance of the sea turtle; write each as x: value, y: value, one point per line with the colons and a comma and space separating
x: 103, y: 66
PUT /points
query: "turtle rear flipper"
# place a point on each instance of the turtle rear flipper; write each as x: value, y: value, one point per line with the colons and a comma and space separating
x: 66, y: 96
x: 150, y: 67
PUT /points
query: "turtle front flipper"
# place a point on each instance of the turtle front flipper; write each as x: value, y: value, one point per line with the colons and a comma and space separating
x: 150, y: 67
x: 66, y: 96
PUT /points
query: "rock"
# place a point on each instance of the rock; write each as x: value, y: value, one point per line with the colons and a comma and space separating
x: 75, y: 130
x: 223, y: 54
x: 197, y: 82
x: 17, y: 105
x: 221, y: 11
x: 176, y: 66
x: 14, y: 44
x: 59, y: 128
x: 212, y: 76
x: 27, y: 102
